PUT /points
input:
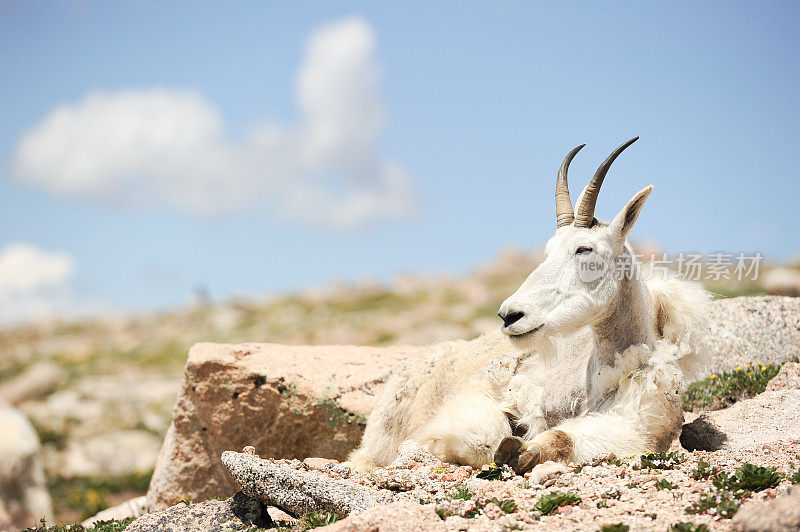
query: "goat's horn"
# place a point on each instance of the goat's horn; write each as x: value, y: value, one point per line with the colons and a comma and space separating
x: 585, y: 213
x: 564, y: 213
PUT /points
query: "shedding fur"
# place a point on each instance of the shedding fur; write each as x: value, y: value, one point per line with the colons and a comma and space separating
x: 456, y: 398
x: 593, y: 361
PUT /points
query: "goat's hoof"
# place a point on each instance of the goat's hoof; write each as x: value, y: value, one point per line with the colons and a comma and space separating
x: 530, y: 457
x: 508, y: 450
x: 518, y: 454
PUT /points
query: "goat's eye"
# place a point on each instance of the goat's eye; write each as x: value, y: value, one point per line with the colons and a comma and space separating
x: 583, y: 249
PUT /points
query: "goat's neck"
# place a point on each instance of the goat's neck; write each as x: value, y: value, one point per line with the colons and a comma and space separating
x: 626, y: 323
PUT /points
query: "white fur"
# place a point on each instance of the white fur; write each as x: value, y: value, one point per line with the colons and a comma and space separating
x: 605, y: 361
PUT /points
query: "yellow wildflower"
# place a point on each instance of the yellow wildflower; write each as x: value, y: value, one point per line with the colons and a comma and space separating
x: 739, y: 368
x: 764, y: 368
x: 713, y: 377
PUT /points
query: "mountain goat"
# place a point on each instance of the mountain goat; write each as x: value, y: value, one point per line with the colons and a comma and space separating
x: 591, y: 359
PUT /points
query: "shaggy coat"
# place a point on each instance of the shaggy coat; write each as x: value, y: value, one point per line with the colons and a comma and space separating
x: 460, y: 399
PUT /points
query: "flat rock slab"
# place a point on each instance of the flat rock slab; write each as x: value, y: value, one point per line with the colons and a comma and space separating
x: 286, y: 401
x: 299, y: 492
x: 769, y: 417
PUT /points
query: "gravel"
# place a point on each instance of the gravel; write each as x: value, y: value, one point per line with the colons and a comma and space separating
x: 626, y: 493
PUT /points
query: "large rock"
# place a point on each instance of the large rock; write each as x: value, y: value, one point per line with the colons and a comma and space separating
x: 769, y: 417
x: 237, y: 513
x: 116, y: 453
x: 23, y: 489
x: 782, y: 282
x: 286, y: 401
x: 745, y: 330
x: 36, y: 382
x: 779, y: 515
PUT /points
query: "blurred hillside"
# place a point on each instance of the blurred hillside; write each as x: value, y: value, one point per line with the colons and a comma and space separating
x: 100, y: 392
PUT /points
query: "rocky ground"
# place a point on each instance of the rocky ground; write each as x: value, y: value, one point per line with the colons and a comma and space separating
x: 100, y: 392
x: 730, y: 488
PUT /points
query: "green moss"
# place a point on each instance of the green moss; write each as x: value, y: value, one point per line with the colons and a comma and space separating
x: 549, y: 503
x: 335, y: 415
x: 722, y: 390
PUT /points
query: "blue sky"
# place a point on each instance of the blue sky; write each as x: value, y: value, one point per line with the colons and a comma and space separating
x: 479, y: 103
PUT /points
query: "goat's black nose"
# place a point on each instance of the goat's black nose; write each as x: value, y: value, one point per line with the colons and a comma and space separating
x: 510, y: 318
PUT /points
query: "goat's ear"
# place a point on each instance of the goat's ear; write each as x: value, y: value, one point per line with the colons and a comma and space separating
x: 623, y: 222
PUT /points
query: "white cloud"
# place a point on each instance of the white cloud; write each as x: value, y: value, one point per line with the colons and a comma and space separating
x: 33, y: 282
x: 170, y: 148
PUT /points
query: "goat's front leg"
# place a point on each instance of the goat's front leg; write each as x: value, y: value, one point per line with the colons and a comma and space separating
x: 522, y: 456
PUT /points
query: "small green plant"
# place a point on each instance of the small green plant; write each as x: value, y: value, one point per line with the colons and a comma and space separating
x: 632, y: 485
x: 443, y: 513
x: 317, y: 519
x: 704, y: 470
x: 492, y: 472
x: 602, y: 504
x: 731, y: 490
x: 612, y: 460
x: 462, y: 493
x: 749, y: 477
x: 616, y: 527
x: 723, y: 389
x: 514, y: 526
x: 549, y: 503
x: 100, y: 526
x: 723, y: 503
x: 507, y: 505
x: 688, y: 527
x: 662, y: 460
x: 665, y: 484
x: 794, y: 477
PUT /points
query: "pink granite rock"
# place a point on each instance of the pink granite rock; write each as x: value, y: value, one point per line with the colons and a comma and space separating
x: 286, y: 401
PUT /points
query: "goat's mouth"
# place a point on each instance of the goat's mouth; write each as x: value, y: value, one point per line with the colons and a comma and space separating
x: 526, y: 334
